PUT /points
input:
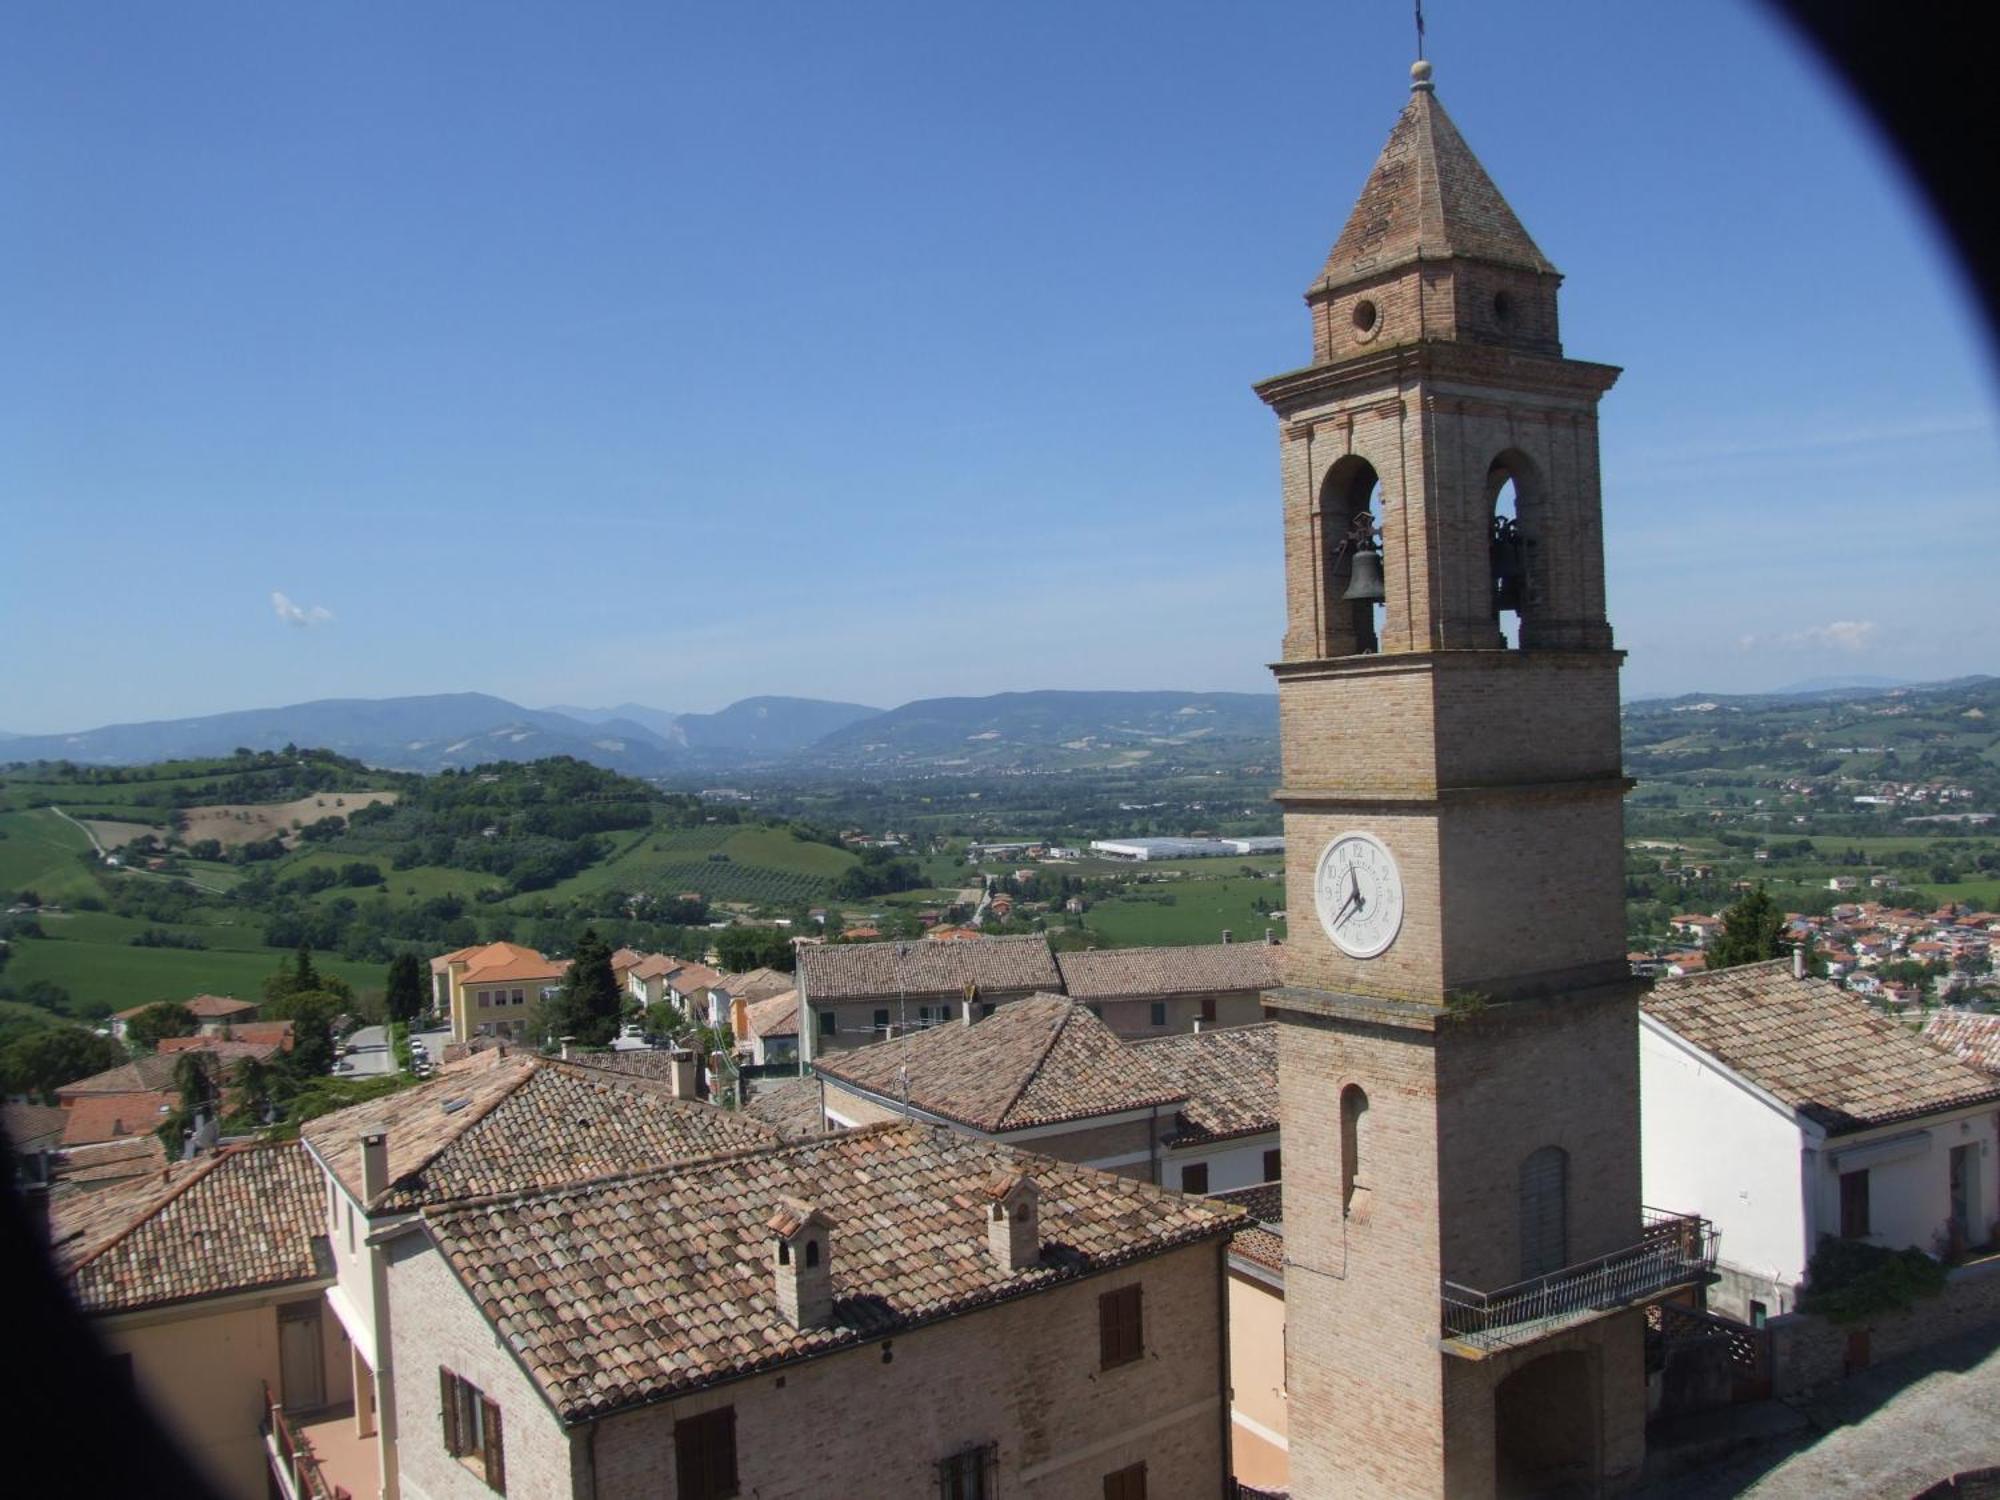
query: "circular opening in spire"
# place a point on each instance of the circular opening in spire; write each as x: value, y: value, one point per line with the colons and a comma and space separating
x: 1364, y: 317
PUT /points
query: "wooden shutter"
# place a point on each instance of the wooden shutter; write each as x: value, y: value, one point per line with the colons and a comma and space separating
x: 448, y: 1400
x: 1120, y: 1335
x: 1544, y: 1212
x: 1126, y: 1484
x: 495, y: 1454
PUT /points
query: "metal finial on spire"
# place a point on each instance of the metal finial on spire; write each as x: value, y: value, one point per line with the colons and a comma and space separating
x: 1420, y: 30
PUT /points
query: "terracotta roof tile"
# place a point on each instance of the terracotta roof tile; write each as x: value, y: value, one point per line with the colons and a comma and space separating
x: 30, y: 1127
x: 776, y: 1016
x: 664, y: 1284
x: 1032, y: 1062
x: 788, y: 1105
x: 1230, y: 1078
x: 1120, y: 973
x: 757, y: 984
x: 277, y: 1033
x: 110, y: 1117
x: 860, y: 971
x: 245, y: 1217
x: 1812, y: 1045
x: 1264, y: 1243
x: 218, y: 1007
x: 225, y: 1049
x: 110, y: 1161
x: 1972, y: 1038
x: 518, y: 1122
x: 150, y: 1071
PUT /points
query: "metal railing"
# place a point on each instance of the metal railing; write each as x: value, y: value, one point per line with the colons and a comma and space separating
x: 1673, y: 1250
x: 292, y: 1455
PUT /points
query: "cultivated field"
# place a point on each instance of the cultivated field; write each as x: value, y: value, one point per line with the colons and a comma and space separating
x: 233, y: 823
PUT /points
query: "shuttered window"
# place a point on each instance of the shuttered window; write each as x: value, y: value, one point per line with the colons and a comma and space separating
x: 1544, y: 1212
x: 472, y: 1429
x: 1120, y: 1327
x: 705, y: 1455
x: 1126, y: 1484
x: 1194, y: 1177
x: 968, y: 1475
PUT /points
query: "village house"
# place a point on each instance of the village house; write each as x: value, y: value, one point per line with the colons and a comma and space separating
x: 132, y: 1099
x: 494, y: 990
x: 214, y: 1015
x: 767, y: 1030
x: 498, y: 1122
x: 930, y: 1275
x: 1259, y: 1403
x: 1226, y: 1135
x: 1969, y: 1036
x: 850, y: 994
x: 206, y: 1281
x: 1785, y: 1110
x: 1162, y: 991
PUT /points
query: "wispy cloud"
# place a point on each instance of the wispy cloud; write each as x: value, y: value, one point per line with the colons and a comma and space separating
x: 1835, y: 635
x: 299, y: 615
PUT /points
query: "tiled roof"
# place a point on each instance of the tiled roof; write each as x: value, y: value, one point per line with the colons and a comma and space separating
x: 218, y: 1007
x: 33, y: 1126
x: 1230, y: 1079
x: 1119, y: 973
x: 775, y: 1016
x: 110, y: 1117
x: 860, y: 971
x: 664, y: 1283
x: 653, y: 1063
x: 224, y: 1049
x: 1428, y: 196
x: 110, y: 1161
x: 1264, y: 1243
x: 757, y: 984
x: 245, y: 1217
x: 1032, y: 1062
x: 444, y: 961
x: 151, y: 1071
x: 1968, y: 1036
x: 656, y: 965
x: 788, y: 1105
x: 625, y: 958
x: 524, y: 1122
x: 277, y: 1033
x: 1814, y: 1046
x: 689, y: 977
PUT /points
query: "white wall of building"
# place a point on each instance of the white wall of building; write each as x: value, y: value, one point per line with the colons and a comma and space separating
x: 1237, y: 1163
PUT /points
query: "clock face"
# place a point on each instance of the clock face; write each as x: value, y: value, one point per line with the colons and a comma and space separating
x: 1359, y: 893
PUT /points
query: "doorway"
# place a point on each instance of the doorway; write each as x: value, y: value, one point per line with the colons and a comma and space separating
x: 1545, y: 1428
x: 301, y: 1356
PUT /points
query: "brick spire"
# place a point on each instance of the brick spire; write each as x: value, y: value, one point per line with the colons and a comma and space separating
x: 1428, y: 198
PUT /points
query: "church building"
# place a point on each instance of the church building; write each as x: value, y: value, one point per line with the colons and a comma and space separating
x: 1466, y: 1259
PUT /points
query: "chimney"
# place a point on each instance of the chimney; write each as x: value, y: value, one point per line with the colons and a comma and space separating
x: 1228, y: 936
x: 965, y: 1012
x: 802, y: 1263
x: 1014, y: 1220
x: 1270, y: 937
x: 1197, y: 1023
x: 681, y: 1075
x: 1798, y: 961
x: 374, y: 1166
x: 565, y: 1047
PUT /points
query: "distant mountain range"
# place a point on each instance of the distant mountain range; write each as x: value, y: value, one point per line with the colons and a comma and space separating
x: 446, y: 730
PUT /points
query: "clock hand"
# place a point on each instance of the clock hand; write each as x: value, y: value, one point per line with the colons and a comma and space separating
x: 1341, y: 915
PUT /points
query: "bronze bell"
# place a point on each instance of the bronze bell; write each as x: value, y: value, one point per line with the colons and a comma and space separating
x: 1364, y: 578
x: 1509, y: 563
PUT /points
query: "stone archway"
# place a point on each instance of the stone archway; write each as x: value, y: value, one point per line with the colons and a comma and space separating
x: 1545, y: 1421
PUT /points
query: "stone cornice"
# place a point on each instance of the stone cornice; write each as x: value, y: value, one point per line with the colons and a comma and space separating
x: 1506, y: 370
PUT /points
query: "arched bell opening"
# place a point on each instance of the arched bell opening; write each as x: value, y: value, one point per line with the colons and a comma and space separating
x: 1351, y: 577
x: 1512, y: 549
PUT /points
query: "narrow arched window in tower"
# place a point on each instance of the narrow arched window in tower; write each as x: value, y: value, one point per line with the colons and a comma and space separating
x: 1511, y: 568
x: 1351, y: 575
x: 1544, y: 1212
x: 1353, y: 1140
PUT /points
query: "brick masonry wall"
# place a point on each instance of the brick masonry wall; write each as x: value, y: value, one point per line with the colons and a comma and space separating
x: 1022, y: 1375
x: 1808, y: 1351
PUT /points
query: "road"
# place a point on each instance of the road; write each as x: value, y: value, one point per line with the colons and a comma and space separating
x: 368, y: 1051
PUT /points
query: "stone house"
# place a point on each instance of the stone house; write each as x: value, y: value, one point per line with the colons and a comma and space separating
x: 497, y: 1122
x: 1784, y: 1110
x: 495, y: 990
x: 901, y: 1269
x: 1257, y: 1396
x: 1226, y: 1133
x: 1143, y: 992
x: 850, y: 994
x: 206, y: 1281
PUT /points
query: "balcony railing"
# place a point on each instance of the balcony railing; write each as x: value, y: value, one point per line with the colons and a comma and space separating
x: 292, y: 1456
x: 1674, y: 1250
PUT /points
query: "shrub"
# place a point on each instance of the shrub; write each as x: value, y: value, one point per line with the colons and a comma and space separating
x: 1848, y: 1281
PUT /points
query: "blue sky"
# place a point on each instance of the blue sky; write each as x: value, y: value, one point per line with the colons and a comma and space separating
x: 588, y: 353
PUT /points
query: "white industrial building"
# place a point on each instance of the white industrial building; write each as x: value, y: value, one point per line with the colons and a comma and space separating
x: 1184, y: 848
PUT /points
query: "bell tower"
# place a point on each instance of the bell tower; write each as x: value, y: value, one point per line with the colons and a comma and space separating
x: 1458, y: 1054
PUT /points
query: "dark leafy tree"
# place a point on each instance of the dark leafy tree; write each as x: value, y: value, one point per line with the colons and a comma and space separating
x: 405, y: 998
x: 168, y: 1018
x: 1753, y: 930
x: 588, y: 1005
x: 740, y: 948
x: 312, y: 1014
x: 42, y: 1061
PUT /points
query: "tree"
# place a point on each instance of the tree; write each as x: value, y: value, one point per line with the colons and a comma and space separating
x: 312, y: 1014
x: 167, y: 1018
x: 740, y: 948
x: 1753, y: 930
x: 406, y: 988
x: 588, y: 1005
x: 301, y: 977
x: 45, y: 1059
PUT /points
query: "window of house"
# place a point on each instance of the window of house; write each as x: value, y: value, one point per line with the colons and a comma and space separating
x: 1353, y: 1136
x: 965, y: 1476
x: 350, y: 1229
x: 985, y: 1008
x: 1194, y: 1177
x: 472, y: 1433
x: 1120, y: 1328
x: 1274, y: 1165
x: 1126, y: 1484
x: 1759, y: 1314
x: 1208, y: 1018
x: 520, y: 997
x: 882, y: 1019
x: 1544, y: 1208
x: 1854, y: 1205
x: 705, y: 1455
x: 826, y: 1023
x: 485, y: 999
x: 332, y: 1204
x: 1159, y: 1012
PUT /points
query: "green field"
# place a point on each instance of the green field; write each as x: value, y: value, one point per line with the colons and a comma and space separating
x: 1983, y: 894
x: 38, y: 851
x: 115, y: 976
x: 1200, y: 912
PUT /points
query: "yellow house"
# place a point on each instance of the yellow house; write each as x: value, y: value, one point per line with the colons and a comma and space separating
x: 494, y: 990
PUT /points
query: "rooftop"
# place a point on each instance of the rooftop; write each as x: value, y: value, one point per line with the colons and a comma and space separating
x: 757, y: 984
x: 1116, y: 973
x: 1264, y: 1242
x: 789, y: 1105
x: 505, y: 1122
x: 859, y: 971
x: 111, y: 1117
x: 151, y: 1071
x: 693, y: 1300
x: 1971, y: 1038
x: 1815, y: 1047
x: 243, y: 1218
x: 1230, y: 1078
x: 776, y: 1015
x: 1037, y: 1061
